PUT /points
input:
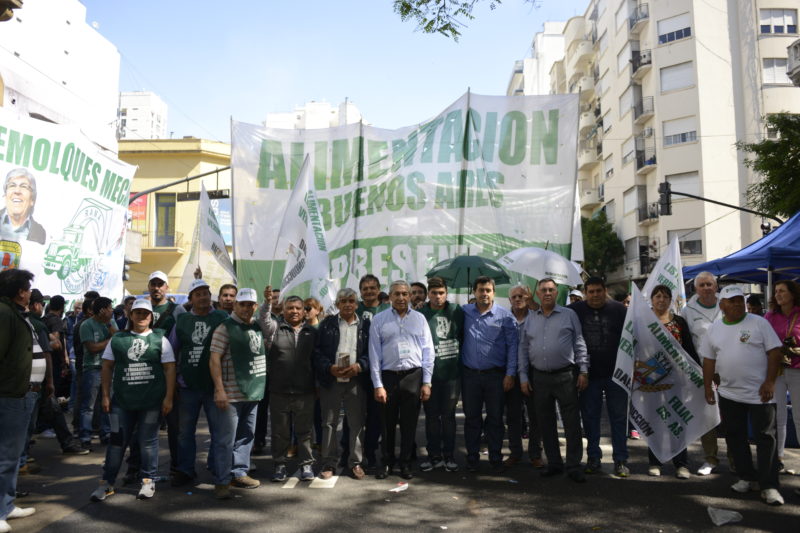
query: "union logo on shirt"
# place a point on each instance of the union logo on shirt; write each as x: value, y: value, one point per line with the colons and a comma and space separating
x: 744, y: 336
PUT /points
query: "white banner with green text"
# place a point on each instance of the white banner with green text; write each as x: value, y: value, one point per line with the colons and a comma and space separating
x: 486, y: 176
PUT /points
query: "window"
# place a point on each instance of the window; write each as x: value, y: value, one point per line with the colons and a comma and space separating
x: 679, y: 131
x: 688, y: 182
x: 778, y: 20
x: 608, y: 167
x: 624, y: 57
x: 621, y: 16
x: 774, y: 71
x: 690, y: 240
x: 610, y: 209
x: 603, y: 42
x: 628, y: 151
x: 674, y: 28
x: 677, y: 76
x: 635, y: 249
x: 626, y: 101
x: 633, y: 197
x: 165, y: 219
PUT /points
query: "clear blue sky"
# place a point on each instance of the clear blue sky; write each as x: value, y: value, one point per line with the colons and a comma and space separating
x: 213, y: 60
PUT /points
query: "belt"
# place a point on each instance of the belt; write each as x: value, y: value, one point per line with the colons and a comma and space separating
x: 401, y: 373
x: 35, y: 387
x: 493, y: 370
x: 557, y: 370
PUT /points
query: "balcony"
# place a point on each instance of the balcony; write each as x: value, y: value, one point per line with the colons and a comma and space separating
x: 793, y: 69
x: 586, y: 121
x: 170, y: 243
x: 590, y: 199
x: 645, y: 160
x: 587, y: 154
x: 641, y: 62
x: 648, y: 214
x: 643, y: 110
x: 574, y: 30
x: 639, y: 17
x: 586, y: 88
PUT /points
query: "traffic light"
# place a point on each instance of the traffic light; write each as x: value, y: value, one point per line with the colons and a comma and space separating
x: 126, y: 272
x: 664, y: 198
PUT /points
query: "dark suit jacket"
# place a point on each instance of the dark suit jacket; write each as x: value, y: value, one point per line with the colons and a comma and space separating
x: 327, y: 349
x: 36, y: 233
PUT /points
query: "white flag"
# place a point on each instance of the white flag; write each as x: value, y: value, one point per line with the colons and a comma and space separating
x: 208, y: 249
x: 668, y: 405
x: 668, y: 271
x: 302, y: 236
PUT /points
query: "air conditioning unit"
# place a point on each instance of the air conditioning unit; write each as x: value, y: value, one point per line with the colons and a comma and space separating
x: 645, y: 56
x: 647, y: 132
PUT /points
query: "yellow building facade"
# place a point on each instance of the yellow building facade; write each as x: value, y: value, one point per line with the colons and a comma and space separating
x: 166, y: 218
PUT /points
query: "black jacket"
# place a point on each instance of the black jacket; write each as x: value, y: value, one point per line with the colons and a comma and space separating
x: 289, y: 366
x: 327, y: 349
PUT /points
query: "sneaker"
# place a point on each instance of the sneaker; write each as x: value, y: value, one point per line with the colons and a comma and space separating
x: 635, y: 435
x: 4, y: 527
x: 48, y: 434
x: 682, y: 473
x: 771, y: 496
x: 20, y: 512
x: 222, y: 492
x: 306, y: 473
x: 179, y: 479
x: 438, y: 462
x: 245, y: 482
x: 743, y: 486
x: 654, y: 471
x: 593, y: 466
x: 450, y: 465
x: 706, y: 469
x: 426, y: 465
x: 29, y: 468
x: 621, y: 469
x: 102, y: 492
x: 86, y: 445
x: 74, y: 449
x: 147, y: 490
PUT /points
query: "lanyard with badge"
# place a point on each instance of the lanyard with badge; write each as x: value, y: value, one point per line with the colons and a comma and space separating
x: 403, y: 346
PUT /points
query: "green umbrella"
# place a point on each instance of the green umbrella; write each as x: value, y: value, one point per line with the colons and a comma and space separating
x: 460, y: 272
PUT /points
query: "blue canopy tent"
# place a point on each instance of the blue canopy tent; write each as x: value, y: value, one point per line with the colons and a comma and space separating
x: 774, y: 257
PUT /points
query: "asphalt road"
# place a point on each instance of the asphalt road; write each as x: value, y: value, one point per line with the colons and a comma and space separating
x: 519, y: 499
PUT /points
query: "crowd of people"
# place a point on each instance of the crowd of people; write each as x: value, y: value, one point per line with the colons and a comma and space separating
x: 379, y: 359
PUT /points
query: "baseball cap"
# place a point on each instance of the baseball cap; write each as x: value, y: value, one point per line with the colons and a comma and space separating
x: 57, y: 302
x: 158, y: 275
x: 246, y: 295
x: 141, y: 303
x: 36, y: 296
x: 731, y: 291
x: 576, y: 292
x: 196, y: 284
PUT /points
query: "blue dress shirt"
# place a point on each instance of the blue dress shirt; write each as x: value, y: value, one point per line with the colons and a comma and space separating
x: 490, y: 339
x: 400, y: 343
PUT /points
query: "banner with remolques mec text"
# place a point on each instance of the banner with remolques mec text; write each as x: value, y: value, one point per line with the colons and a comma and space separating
x: 65, y: 206
x: 487, y: 175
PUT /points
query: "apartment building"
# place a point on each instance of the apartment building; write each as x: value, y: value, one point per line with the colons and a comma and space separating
x: 142, y: 115
x: 666, y: 90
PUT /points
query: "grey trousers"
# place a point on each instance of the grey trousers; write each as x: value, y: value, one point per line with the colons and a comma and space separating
x: 561, y: 388
x: 353, y: 396
x: 284, y: 410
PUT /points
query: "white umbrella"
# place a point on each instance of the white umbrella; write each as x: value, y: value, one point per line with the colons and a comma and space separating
x: 539, y: 263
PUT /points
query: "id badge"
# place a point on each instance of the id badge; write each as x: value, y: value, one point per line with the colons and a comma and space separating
x: 404, y: 350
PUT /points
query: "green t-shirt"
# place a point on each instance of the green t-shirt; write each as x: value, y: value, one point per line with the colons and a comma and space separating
x: 139, y: 381
x: 447, y: 329
x: 366, y: 313
x: 166, y: 323
x: 194, y: 333
x: 93, y: 331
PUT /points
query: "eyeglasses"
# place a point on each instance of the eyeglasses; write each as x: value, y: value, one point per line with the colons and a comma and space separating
x: 21, y: 186
x: 308, y: 308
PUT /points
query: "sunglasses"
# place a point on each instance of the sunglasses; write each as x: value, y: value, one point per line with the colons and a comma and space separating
x: 308, y: 308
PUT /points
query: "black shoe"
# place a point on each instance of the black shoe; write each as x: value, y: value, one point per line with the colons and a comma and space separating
x: 593, y: 466
x: 382, y: 472
x: 179, y: 479
x: 22, y: 494
x: 498, y: 467
x: 406, y: 472
x: 577, y: 476
x: 552, y: 471
x: 472, y: 466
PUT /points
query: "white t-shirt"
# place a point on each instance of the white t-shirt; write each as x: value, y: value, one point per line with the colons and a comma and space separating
x: 741, y: 353
x: 167, y: 355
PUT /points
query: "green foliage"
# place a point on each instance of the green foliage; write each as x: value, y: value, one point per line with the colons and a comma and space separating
x: 603, y: 251
x: 777, y: 161
x: 439, y: 16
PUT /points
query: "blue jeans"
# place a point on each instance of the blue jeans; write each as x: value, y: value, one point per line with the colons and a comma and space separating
x: 90, y: 388
x: 189, y: 404
x: 232, y: 440
x: 124, y: 425
x: 477, y: 389
x: 15, y: 414
x: 591, y: 400
x: 32, y: 420
x: 440, y: 418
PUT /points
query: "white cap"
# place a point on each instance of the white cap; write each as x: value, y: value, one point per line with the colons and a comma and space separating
x: 158, y: 275
x: 731, y: 291
x: 576, y: 292
x: 141, y: 303
x: 196, y: 284
x: 246, y: 295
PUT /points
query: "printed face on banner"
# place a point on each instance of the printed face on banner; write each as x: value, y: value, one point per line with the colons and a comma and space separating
x: 64, y: 210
